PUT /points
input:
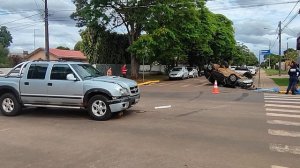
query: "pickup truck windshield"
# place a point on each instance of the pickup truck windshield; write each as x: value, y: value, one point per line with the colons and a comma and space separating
x: 86, y: 71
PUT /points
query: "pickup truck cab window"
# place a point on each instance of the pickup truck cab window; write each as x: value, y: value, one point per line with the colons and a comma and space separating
x: 60, y: 72
x: 86, y: 71
x: 37, y: 71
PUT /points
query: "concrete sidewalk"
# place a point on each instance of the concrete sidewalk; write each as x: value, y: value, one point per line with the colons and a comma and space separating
x: 267, y: 82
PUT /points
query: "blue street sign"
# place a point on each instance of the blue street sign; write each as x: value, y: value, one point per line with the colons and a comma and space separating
x: 264, y: 52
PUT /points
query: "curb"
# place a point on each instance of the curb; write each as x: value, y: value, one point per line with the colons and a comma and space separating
x: 148, y: 82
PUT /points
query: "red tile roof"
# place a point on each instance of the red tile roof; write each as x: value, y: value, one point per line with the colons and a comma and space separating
x: 67, y: 54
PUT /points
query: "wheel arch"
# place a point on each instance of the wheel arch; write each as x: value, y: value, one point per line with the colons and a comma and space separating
x: 9, y: 89
x: 92, y: 92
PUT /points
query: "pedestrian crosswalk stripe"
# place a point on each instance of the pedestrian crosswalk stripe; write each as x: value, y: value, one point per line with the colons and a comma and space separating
x: 281, y: 122
x: 274, y: 166
x: 281, y: 105
x: 282, y: 102
x: 283, y: 110
x: 282, y: 95
x: 285, y: 148
x: 284, y: 133
x: 280, y: 98
x: 282, y: 115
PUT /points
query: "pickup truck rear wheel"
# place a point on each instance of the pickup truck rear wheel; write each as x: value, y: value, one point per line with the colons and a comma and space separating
x: 98, y: 108
x: 9, y: 105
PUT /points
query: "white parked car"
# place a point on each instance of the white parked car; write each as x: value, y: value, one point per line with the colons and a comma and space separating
x: 232, y: 67
x: 178, y: 73
x: 193, y: 72
x: 242, y: 70
x: 252, y: 69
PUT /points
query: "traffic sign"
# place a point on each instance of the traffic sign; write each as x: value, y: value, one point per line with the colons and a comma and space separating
x: 264, y: 52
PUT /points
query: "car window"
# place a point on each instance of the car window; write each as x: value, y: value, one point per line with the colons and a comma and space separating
x: 86, y: 71
x: 241, y: 68
x: 60, y: 72
x: 37, y: 71
x: 189, y: 69
x: 176, y: 69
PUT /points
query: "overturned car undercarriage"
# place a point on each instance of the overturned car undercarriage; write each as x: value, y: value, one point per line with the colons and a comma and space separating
x: 227, y: 77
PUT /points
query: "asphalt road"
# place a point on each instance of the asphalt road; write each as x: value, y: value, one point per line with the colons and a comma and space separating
x: 176, y: 124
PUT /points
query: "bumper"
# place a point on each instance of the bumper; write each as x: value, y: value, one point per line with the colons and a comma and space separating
x: 123, y: 103
x: 134, y: 99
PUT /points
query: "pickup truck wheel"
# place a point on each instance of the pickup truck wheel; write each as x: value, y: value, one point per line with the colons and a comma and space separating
x: 9, y: 105
x: 98, y: 108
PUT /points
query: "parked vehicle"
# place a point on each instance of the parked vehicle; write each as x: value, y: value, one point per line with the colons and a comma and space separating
x: 65, y: 85
x: 232, y: 67
x: 227, y: 77
x: 193, y: 72
x: 178, y: 73
x: 242, y: 70
x: 252, y: 69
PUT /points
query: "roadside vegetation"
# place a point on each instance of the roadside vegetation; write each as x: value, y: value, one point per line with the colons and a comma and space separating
x: 281, y: 81
x: 271, y: 72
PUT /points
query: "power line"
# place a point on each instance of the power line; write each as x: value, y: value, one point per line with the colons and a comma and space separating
x: 291, y: 11
x: 253, y: 5
x: 19, y: 19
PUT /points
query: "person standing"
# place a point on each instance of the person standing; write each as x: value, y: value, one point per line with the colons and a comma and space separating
x: 124, y: 70
x: 109, y: 72
x: 293, y: 73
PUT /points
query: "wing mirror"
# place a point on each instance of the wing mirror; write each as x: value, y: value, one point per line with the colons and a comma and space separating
x: 71, y: 77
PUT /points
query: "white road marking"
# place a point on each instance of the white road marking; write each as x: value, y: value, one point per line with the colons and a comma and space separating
x: 281, y: 122
x: 282, y: 95
x: 185, y: 85
x: 274, y: 166
x: 282, y: 115
x: 280, y: 98
x: 284, y: 133
x: 163, y: 107
x: 285, y: 148
x: 281, y: 105
x: 2, y: 130
x: 283, y: 102
x: 283, y: 110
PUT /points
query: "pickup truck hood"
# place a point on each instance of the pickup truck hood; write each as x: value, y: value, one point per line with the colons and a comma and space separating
x: 124, y: 82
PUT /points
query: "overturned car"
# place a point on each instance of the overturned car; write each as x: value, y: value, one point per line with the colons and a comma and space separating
x: 227, y: 77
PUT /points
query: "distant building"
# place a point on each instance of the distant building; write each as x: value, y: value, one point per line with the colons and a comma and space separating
x: 57, y: 54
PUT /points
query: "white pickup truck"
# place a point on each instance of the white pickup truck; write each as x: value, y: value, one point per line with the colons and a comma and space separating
x: 65, y: 85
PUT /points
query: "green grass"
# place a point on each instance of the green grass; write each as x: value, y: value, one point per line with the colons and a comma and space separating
x: 271, y: 72
x: 281, y: 81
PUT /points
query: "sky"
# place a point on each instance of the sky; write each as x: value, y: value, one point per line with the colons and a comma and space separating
x: 255, y: 22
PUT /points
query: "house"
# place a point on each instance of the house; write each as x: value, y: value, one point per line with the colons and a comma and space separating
x: 57, y: 54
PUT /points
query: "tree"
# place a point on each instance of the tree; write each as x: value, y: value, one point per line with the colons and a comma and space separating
x: 78, y: 46
x: 243, y: 56
x: 101, y: 46
x: 3, y: 56
x: 291, y: 54
x: 5, y: 37
x: 223, y: 42
x: 112, y: 14
x: 63, y: 48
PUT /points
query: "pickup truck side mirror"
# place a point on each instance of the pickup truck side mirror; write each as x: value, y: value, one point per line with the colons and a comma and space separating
x: 71, y: 77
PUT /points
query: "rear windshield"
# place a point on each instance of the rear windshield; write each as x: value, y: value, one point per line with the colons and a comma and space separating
x: 241, y: 68
x: 176, y: 69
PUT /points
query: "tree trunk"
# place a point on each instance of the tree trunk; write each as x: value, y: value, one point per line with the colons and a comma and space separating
x: 134, y: 67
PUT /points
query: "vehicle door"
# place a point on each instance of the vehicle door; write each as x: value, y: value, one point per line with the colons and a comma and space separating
x: 62, y: 91
x: 33, y: 86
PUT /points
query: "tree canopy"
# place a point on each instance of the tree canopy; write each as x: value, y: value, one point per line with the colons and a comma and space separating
x: 5, y: 37
x: 63, y: 48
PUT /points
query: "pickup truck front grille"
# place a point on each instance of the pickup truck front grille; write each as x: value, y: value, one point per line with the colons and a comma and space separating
x: 134, y: 90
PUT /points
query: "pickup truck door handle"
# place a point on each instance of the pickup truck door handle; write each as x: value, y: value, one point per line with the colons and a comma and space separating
x: 49, y: 84
x: 26, y: 83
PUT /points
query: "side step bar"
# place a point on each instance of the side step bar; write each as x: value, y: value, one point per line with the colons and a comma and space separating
x: 51, y: 106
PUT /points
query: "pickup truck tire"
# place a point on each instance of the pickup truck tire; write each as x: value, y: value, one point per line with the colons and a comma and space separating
x: 9, y: 105
x: 98, y: 108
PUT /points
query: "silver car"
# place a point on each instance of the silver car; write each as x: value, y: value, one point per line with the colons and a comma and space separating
x: 178, y: 73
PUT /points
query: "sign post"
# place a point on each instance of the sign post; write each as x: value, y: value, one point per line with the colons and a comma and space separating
x: 261, y: 52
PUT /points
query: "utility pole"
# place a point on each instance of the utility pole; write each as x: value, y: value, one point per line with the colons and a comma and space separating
x: 279, y: 36
x: 46, y: 32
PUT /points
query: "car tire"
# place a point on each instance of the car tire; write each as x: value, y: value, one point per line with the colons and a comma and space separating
x: 9, y: 106
x: 232, y: 79
x: 98, y: 108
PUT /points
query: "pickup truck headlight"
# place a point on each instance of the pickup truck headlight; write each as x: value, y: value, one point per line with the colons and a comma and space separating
x: 124, y: 91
